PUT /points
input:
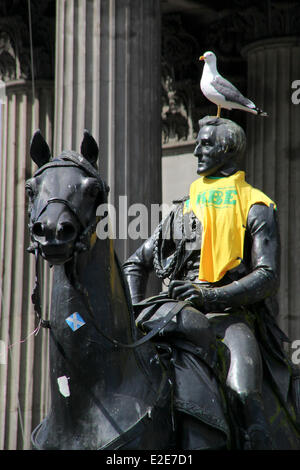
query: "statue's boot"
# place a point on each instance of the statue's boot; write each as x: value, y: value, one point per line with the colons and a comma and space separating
x: 256, y: 425
x: 250, y: 416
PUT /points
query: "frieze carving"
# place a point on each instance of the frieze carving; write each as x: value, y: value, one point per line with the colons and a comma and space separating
x: 15, y: 59
x: 174, y: 114
x: 248, y: 21
x: 182, y: 101
x: 279, y: 19
x: 180, y: 53
x: 9, y: 61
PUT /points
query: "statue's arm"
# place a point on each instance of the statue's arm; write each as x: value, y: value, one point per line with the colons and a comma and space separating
x: 261, y: 282
x: 137, y: 268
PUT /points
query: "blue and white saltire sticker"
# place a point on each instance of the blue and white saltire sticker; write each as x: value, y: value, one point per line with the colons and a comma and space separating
x: 75, y: 321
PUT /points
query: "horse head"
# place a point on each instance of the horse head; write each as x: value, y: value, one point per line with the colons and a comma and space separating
x: 63, y: 197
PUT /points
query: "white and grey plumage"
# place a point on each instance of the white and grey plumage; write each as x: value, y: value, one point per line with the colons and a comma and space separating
x: 220, y: 91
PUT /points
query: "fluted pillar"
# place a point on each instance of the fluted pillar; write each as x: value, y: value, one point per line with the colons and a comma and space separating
x: 108, y: 81
x: 26, y: 51
x: 273, y: 158
x: 23, y: 369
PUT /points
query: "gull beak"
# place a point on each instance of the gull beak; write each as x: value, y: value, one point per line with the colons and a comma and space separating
x: 202, y: 57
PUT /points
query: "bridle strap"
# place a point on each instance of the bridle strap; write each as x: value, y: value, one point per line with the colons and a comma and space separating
x: 72, y: 209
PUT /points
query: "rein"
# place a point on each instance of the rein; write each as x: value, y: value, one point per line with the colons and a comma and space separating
x: 173, y: 310
x: 36, y: 300
x: 35, y: 297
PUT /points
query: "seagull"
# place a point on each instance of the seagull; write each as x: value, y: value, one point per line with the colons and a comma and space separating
x: 220, y: 91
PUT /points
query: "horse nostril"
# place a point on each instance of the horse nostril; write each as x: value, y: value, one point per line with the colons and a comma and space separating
x: 66, y: 231
x: 38, y: 229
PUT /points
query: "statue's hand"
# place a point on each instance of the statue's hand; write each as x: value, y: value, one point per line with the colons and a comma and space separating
x: 186, y: 290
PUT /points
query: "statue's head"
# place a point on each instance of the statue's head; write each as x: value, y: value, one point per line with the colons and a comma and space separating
x: 221, y: 144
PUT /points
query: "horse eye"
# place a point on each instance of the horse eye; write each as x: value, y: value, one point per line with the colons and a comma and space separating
x: 29, y: 192
x: 93, y: 190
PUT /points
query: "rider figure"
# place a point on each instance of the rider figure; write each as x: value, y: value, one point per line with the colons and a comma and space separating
x: 226, y: 264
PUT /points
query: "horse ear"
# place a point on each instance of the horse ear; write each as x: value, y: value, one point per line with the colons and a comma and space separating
x: 39, y: 149
x: 89, y: 148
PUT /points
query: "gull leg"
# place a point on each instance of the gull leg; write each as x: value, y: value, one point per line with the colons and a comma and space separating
x: 219, y: 111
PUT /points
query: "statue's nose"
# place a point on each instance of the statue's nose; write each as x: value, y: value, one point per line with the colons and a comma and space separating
x: 63, y: 232
x: 197, y: 151
x: 38, y: 230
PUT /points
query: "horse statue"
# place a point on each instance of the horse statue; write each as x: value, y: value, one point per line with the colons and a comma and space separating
x: 104, y: 395
x: 111, y: 388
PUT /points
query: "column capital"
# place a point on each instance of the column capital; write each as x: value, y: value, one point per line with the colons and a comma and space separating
x: 271, y: 43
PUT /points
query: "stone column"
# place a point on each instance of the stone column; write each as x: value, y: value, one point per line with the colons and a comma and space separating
x: 108, y: 81
x: 23, y: 356
x: 23, y: 393
x: 273, y: 158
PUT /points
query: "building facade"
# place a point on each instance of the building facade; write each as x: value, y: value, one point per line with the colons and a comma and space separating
x: 128, y: 71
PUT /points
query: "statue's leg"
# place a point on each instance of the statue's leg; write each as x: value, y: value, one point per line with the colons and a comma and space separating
x: 199, y: 408
x: 244, y: 381
x: 197, y: 395
x: 192, y: 434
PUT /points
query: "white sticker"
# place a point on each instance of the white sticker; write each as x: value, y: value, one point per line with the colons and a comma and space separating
x: 63, y: 386
x: 3, y: 352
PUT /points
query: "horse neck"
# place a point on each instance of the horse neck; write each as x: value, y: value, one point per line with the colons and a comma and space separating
x: 98, y: 275
x: 88, y: 373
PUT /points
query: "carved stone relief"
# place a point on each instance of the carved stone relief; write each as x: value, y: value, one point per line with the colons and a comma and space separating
x: 182, y: 101
x: 15, y: 59
x: 179, y: 72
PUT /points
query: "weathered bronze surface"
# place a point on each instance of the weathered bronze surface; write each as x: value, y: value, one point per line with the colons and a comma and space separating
x: 102, y: 395
x: 111, y: 388
x: 232, y: 335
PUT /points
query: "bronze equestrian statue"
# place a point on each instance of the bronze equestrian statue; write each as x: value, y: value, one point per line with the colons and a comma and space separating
x: 205, y: 369
x: 219, y: 247
x: 104, y: 395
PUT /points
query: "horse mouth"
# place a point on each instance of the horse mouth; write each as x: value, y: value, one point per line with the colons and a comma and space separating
x: 56, y: 253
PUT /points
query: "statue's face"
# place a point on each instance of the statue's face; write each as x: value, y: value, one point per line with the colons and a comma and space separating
x: 211, y: 150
